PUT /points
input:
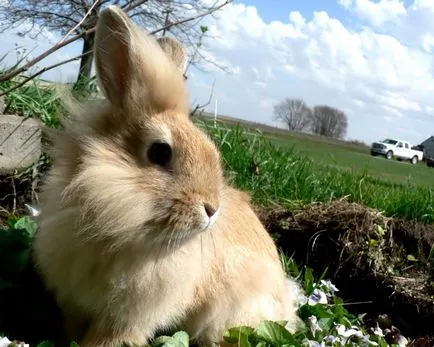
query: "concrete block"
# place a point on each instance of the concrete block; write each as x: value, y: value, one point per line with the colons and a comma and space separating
x: 20, y: 143
x: 2, y: 103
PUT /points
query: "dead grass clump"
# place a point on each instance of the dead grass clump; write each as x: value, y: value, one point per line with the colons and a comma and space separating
x: 383, y: 262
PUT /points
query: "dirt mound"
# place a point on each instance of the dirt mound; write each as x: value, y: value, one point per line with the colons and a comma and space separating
x: 380, y: 264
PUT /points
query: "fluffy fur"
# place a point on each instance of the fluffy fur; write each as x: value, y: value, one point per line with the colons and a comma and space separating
x: 126, y: 246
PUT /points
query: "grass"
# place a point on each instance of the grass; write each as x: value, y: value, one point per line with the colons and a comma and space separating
x: 339, y: 154
x: 273, y: 172
x: 33, y: 101
x: 354, y: 158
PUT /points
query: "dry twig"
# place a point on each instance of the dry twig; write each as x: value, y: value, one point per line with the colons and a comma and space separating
x: 80, y: 22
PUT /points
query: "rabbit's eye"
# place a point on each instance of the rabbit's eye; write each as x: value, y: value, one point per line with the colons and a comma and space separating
x: 160, y: 153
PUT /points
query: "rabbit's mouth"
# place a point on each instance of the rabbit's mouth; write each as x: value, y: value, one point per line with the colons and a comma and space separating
x: 178, y: 228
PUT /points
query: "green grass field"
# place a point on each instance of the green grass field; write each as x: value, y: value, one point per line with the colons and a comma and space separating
x: 297, y: 170
x: 356, y: 159
x: 352, y: 157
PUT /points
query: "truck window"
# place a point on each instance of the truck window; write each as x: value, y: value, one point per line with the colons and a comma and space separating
x: 390, y: 141
x: 406, y: 145
x: 399, y: 145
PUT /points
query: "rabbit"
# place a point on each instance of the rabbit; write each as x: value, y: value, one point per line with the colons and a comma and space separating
x: 139, y: 230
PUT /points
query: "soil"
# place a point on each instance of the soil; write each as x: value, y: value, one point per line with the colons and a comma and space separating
x: 383, y: 270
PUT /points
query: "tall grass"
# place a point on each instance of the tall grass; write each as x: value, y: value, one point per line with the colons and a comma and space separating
x: 33, y: 100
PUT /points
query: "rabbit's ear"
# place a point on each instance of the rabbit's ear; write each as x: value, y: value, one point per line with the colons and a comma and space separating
x: 175, y: 51
x: 113, y: 49
x: 133, y: 69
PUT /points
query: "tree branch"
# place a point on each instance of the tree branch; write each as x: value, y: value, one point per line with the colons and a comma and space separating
x: 36, y: 60
x: 198, y: 106
x: 200, y: 15
x: 40, y: 72
x: 59, y: 45
x: 54, y: 14
x: 80, y: 22
x: 131, y: 6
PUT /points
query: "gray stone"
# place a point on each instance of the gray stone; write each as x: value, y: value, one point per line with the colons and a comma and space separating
x: 20, y: 143
x: 2, y: 103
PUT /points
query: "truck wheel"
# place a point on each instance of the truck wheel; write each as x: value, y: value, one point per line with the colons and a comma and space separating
x: 414, y: 160
x: 389, y: 155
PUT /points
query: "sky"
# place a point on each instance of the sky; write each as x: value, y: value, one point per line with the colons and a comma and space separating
x: 373, y: 59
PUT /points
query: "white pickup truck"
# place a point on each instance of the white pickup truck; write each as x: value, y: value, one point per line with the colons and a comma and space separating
x: 401, y: 150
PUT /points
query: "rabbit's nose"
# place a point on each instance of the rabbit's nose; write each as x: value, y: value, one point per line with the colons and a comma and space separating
x: 209, y: 209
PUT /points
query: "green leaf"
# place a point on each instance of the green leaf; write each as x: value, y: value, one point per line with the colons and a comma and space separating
x: 74, y: 344
x: 203, y: 29
x: 12, y: 219
x: 26, y: 224
x: 319, y: 311
x: 244, y: 341
x: 182, y: 337
x: 411, y: 257
x: 274, y: 333
x: 233, y: 335
x: 161, y: 340
x: 323, y: 274
x: 325, y: 323
x: 308, y: 281
x: 45, y: 344
x: 179, y: 339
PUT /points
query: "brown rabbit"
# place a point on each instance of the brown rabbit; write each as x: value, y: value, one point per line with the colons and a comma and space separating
x: 138, y: 229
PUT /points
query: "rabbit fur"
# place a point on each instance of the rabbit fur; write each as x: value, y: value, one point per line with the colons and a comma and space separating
x: 135, y: 237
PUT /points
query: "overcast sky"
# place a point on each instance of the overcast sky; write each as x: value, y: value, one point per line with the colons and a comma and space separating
x: 371, y: 58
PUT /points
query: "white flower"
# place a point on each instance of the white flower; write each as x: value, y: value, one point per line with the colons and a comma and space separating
x: 378, y: 331
x: 402, y: 341
x: 314, y: 327
x: 311, y: 343
x: 353, y: 332
x: 330, y: 286
x: 366, y: 339
x: 348, y: 333
x: 5, y: 342
x: 317, y: 297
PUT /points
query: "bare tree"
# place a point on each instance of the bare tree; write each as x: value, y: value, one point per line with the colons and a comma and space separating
x: 294, y: 113
x: 329, y: 121
x: 79, y: 17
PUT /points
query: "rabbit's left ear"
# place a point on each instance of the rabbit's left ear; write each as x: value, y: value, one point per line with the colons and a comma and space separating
x: 134, y: 70
x: 175, y: 51
x: 114, y: 47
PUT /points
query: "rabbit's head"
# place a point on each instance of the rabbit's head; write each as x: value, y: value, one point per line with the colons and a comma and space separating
x: 140, y: 169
